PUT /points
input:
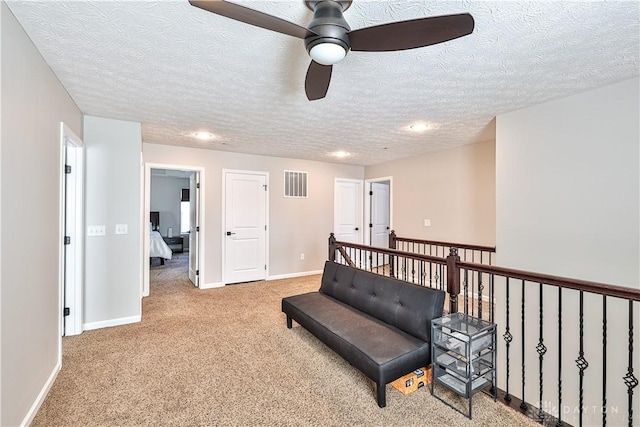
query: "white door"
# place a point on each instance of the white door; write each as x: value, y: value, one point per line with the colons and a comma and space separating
x: 380, y: 217
x: 347, y: 225
x: 194, y: 227
x: 245, y: 226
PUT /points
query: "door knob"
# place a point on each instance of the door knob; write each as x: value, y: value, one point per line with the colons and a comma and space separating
x: 229, y: 233
x: 357, y: 229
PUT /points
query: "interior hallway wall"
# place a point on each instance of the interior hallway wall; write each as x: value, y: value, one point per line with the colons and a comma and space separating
x: 113, y: 263
x: 296, y: 225
x: 34, y: 102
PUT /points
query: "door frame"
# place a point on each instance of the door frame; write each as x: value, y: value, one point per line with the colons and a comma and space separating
x: 224, y: 219
x: 367, y: 204
x: 146, y: 218
x: 71, y: 287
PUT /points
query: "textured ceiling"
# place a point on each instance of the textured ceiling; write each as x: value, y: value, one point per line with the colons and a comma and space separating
x: 178, y: 69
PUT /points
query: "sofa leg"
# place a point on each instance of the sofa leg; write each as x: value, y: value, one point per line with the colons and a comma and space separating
x: 289, y: 325
x: 382, y: 395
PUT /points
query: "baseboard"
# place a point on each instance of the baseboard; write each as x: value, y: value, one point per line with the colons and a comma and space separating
x: 211, y: 285
x: 113, y: 322
x: 292, y: 275
x: 28, y: 419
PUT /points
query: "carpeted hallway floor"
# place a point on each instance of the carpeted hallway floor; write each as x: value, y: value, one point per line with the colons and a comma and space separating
x: 225, y: 357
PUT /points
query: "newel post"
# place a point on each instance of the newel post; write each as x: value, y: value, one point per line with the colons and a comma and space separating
x: 453, y: 279
x: 332, y: 247
x: 392, y: 258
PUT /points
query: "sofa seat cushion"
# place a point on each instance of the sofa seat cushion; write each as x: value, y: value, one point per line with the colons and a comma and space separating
x: 381, y: 351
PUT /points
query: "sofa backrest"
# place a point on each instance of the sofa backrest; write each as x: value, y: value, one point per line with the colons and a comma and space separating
x: 406, y: 306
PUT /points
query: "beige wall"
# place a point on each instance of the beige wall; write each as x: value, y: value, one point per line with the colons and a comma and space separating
x: 113, y: 263
x: 453, y: 188
x: 568, y: 203
x: 296, y: 225
x: 33, y: 105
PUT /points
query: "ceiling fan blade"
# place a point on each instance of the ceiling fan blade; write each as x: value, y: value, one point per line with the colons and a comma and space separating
x: 252, y: 17
x: 411, y: 34
x: 317, y: 81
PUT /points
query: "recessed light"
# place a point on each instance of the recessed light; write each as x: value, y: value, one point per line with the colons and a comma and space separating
x: 419, y: 127
x: 340, y: 154
x: 204, y: 136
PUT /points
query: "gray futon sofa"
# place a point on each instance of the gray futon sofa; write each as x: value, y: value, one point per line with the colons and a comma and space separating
x: 380, y: 325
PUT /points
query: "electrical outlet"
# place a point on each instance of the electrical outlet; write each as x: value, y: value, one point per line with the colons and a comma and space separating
x: 427, y: 223
x: 301, y: 257
x: 122, y: 229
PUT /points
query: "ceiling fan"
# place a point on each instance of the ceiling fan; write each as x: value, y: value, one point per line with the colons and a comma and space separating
x: 329, y: 38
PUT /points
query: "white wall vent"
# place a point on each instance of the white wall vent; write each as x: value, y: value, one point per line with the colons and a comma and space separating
x: 295, y: 184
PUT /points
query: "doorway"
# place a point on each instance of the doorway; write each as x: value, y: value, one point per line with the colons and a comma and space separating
x: 378, y: 212
x: 354, y: 207
x: 170, y: 222
x: 245, y: 237
x: 71, y: 231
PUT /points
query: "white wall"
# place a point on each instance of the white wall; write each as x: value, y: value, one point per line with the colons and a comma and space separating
x: 567, y: 203
x: 113, y: 196
x: 33, y: 105
x: 165, y: 198
x: 454, y: 188
x: 296, y: 225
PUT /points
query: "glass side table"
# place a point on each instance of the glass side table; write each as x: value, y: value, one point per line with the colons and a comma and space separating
x: 463, y: 358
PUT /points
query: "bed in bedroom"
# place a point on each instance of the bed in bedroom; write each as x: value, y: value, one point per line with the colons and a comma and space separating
x: 157, y: 246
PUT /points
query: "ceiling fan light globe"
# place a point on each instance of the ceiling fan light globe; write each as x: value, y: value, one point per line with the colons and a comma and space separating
x: 327, y: 53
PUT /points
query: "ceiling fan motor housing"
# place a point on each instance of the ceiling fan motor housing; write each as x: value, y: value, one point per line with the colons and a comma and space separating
x: 329, y: 24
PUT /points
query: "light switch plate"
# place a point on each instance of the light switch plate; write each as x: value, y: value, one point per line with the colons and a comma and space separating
x: 96, y: 230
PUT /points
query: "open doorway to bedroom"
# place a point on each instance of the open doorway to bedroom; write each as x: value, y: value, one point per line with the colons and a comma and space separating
x: 173, y: 201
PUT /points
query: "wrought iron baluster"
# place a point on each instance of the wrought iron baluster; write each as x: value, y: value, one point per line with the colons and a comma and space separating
x: 413, y: 271
x: 473, y: 256
x: 542, y: 349
x: 480, y: 289
x: 491, y: 298
x: 507, y: 338
x: 466, y: 291
x: 404, y: 268
x: 580, y: 361
x: 629, y: 379
x: 559, y: 423
x: 604, y: 360
x: 431, y: 270
x: 523, y: 405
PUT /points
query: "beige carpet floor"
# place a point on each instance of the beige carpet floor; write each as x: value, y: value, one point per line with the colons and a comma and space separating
x: 224, y: 357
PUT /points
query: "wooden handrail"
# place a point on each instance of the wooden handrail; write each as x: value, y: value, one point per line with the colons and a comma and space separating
x: 564, y: 282
x: 449, y: 244
x: 386, y: 251
x: 453, y: 263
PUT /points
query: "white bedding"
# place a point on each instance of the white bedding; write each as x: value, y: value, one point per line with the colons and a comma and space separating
x: 158, y: 247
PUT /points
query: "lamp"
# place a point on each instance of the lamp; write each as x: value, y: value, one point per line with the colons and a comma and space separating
x: 327, y: 53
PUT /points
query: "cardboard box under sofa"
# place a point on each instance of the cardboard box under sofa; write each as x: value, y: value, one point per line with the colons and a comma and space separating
x: 411, y: 382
